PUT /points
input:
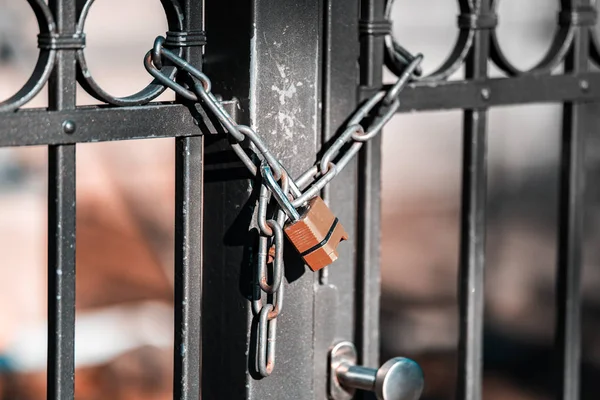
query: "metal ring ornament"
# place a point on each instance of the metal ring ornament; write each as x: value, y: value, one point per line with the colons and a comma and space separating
x: 561, y: 43
x: 594, y: 46
x: 44, y: 64
x: 150, y: 92
x: 397, y: 58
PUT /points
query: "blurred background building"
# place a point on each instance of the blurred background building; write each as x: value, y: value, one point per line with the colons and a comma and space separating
x: 125, y: 223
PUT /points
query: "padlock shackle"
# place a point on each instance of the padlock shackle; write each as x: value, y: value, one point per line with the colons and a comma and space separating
x: 279, y: 194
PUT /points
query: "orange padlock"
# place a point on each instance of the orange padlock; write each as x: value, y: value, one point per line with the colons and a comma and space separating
x: 315, y: 233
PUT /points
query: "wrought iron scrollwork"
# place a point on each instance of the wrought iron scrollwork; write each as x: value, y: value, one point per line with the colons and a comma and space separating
x: 150, y: 92
x: 44, y: 65
x: 561, y: 43
x: 49, y: 41
x: 472, y: 18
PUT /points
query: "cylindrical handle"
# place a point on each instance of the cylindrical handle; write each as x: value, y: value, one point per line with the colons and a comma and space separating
x: 357, y: 377
x: 398, y: 379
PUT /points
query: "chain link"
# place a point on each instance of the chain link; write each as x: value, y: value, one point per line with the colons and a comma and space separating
x: 270, y: 237
x: 267, y: 299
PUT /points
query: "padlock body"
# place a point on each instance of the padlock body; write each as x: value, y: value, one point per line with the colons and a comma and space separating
x: 316, y: 235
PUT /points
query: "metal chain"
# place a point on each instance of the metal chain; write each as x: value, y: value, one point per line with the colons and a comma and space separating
x: 267, y: 300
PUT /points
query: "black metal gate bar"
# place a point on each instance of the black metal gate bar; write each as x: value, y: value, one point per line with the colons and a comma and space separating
x: 578, y: 121
x: 225, y: 274
x: 61, y: 221
x: 335, y: 286
x: 188, y: 267
x: 257, y: 51
x: 100, y: 124
x: 189, y: 181
x: 368, y: 278
x: 526, y: 89
x: 473, y: 226
x: 284, y: 82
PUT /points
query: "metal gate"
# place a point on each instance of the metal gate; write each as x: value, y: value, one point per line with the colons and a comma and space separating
x: 294, y: 71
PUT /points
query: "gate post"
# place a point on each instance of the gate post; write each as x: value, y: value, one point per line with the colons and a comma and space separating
x: 294, y: 68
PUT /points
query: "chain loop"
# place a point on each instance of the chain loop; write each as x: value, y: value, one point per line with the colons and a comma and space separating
x: 267, y: 313
x: 403, y: 79
x: 261, y: 218
x: 263, y: 257
x: 279, y: 192
x: 157, y: 52
x: 267, y: 339
x: 316, y: 186
x: 334, y: 149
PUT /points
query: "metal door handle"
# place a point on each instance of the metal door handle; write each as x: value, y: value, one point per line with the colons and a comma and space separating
x: 398, y: 379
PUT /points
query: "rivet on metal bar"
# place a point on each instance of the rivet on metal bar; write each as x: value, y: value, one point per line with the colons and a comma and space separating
x: 53, y: 41
x: 375, y: 28
x: 580, y: 16
x: 477, y: 21
x: 185, y: 39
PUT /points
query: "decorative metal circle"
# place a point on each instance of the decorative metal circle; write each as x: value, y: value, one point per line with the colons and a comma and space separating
x: 594, y: 46
x: 396, y: 61
x: 150, y: 92
x: 561, y: 43
x: 44, y: 64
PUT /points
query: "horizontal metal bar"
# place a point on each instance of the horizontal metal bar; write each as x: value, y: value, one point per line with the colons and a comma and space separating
x: 476, y: 94
x: 98, y: 124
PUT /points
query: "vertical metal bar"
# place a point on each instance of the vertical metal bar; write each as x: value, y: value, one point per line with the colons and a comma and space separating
x: 577, y: 120
x: 473, y: 227
x: 189, y: 181
x: 275, y: 46
x: 61, y: 222
x: 369, y: 216
x: 188, y: 268
x: 227, y: 264
x: 284, y: 108
x: 335, y: 286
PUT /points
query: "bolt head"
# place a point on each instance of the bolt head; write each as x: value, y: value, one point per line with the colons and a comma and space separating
x: 485, y: 94
x: 69, y: 126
